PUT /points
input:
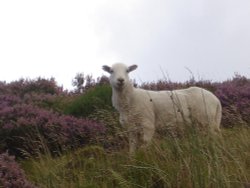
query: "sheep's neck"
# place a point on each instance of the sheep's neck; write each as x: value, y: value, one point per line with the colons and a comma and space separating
x: 122, y: 98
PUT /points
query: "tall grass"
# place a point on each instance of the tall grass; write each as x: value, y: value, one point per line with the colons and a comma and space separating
x: 191, y: 161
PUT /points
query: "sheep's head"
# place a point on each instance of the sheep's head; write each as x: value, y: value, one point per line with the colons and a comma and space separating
x: 119, y: 74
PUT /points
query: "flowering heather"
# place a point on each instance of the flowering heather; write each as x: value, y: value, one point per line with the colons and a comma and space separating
x: 28, y: 125
x: 23, y: 86
x: 26, y: 128
x: 11, y: 175
x: 168, y: 85
x: 235, y: 99
x: 39, y: 92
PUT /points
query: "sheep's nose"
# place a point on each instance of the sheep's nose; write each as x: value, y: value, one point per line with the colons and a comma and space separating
x: 121, y: 80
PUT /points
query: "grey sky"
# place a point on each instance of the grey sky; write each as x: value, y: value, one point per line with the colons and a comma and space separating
x: 211, y: 38
x: 62, y: 38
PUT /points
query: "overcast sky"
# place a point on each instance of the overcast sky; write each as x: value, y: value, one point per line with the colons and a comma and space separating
x: 58, y: 39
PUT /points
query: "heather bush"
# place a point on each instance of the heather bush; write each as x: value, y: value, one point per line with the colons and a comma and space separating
x: 29, y: 122
x: 11, y: 175
x: 235, y: 98
x: 23, y: 86
x: 26, y: 128
x: 168, y: 85
x: 39, y: 92
x: 98, y: 97
x: 161, y: 85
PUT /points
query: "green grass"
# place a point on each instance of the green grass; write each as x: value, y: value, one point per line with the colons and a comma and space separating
x: 191, y: 161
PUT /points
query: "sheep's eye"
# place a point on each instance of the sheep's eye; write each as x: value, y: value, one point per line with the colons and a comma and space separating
x: 111, y: 71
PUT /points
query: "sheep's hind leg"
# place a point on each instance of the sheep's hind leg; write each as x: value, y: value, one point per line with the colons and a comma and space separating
x: 133, y: 141
x: 148, y: 133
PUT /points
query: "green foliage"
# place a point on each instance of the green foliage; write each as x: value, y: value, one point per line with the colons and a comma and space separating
x: 95, y: 98
x: 192, y: 161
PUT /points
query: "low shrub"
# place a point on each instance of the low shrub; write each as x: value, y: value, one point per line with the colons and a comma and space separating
x: 11, y: 175
x: 24, y: 86
x: 98, y: 97
x: 27, y: 128
x: 30, y: 121
x: 235, y: 99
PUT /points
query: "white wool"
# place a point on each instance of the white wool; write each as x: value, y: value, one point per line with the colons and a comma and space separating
x: 142, y: 111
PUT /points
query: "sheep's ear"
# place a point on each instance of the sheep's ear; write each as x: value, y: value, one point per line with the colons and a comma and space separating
x: 107, y: 69
x: 132, y: 67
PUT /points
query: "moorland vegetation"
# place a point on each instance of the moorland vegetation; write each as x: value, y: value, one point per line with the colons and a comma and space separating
x: 51, y: 137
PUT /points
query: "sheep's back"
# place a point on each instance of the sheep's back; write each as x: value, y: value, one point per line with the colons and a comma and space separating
x: 178, y: 106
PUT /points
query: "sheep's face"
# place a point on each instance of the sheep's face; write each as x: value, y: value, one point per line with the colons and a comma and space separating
x: 119, y: 74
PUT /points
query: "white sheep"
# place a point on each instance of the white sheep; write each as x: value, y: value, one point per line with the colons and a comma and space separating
x: 142, y: 111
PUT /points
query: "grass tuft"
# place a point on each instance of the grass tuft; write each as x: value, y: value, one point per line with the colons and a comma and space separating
x: 191, y: 161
